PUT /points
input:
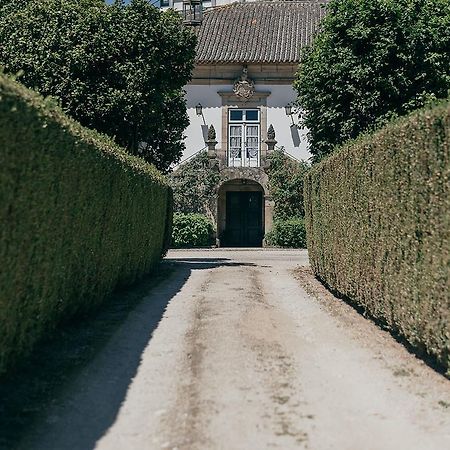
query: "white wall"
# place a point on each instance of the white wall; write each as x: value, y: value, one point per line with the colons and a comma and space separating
x: 207, y: 96
x: 212, y: 111
x: 291, y: 138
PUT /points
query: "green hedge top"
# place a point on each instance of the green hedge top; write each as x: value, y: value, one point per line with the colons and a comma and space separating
x: 425, y: 121
x: 14, y: 98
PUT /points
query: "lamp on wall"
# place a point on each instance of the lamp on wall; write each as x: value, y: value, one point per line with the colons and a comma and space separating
x: 199, y: 112
x: 289, y: 112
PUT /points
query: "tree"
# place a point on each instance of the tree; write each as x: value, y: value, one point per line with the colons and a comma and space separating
x: 116, y: 68
x: 372, y: 60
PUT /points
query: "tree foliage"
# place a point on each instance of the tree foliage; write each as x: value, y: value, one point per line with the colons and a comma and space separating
x: 372, y: 60
x: 116, y: 68
x: 194, y: 185
x: 286, y: 185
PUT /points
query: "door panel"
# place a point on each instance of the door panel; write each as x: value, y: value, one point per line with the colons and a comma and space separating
x: 243, y: 219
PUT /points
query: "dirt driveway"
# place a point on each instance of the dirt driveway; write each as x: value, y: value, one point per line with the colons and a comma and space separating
x: 244, y: 358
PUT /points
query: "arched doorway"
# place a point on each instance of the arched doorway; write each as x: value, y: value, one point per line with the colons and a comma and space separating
x: 241, y: 214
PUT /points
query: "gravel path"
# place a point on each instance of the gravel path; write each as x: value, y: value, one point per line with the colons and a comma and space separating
x: 244, y: 358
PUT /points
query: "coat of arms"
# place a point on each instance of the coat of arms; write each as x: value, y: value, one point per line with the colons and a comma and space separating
x: 244, y: 87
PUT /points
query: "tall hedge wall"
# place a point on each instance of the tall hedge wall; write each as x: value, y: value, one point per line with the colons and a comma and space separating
x: 378, y: 224
x: 78, y: 217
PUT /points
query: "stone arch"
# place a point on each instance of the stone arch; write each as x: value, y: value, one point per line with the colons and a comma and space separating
x: 259, y: 176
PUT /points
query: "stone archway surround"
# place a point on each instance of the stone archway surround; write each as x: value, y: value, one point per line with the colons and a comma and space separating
x: 241, y: 180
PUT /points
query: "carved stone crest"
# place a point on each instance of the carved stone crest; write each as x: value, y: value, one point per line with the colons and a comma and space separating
x: 244, y: 87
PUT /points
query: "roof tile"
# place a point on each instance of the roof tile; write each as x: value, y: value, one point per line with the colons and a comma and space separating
x: 258, y: 32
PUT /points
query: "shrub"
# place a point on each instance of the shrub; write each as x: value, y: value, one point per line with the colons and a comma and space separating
x: 371, y: 60
x: 192, y: 230
x: 119, y: 69
x: 378, y: 225
x: 286, y: 185
x: 78, y: 216
x: 289, y: 233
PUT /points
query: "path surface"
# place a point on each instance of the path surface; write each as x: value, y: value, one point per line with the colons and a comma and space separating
x: 243, y: 358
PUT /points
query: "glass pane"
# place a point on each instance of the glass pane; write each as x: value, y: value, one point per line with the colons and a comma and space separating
x: 236, y: 114
x: 252, y: 130
x: 236, y: 141
x: 236, y: 130
x: 252, y: 141
x: 252, y: 115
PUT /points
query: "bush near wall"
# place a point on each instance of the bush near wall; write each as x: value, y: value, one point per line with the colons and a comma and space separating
x: 378, y: 224
x: 78, y: 217
x: 289, y: 233
x: 286, y: 177
x: 192, y: 230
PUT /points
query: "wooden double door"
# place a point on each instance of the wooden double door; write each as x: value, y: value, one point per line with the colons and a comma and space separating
x: 244, y: 219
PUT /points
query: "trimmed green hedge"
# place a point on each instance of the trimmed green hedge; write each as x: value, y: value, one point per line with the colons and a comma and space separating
x: 192, y: 230
x: 378, y: 225
x: 78, y: 217
x: 289, y: 233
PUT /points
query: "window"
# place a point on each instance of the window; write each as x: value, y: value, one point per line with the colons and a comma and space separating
x: 164, y: 2
x: 243, y: 137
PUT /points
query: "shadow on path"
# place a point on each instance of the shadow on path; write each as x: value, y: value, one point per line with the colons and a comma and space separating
x: 48, y: 403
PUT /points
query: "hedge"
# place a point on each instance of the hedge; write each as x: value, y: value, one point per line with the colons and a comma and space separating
x: 378, y: 226
x: 192, y: 230
x: 78, y: 218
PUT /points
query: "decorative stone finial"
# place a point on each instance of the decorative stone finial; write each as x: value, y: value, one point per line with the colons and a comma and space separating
x: 271, y: 143
x: 211, y: 133
x: 211, y: 144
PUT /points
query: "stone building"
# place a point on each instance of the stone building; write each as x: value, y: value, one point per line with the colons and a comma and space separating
x: 247, y: 56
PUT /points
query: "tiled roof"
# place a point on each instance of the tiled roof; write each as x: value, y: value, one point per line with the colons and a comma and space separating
x: 258, y: 32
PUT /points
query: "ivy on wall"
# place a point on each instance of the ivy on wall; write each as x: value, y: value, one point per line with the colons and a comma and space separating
x: 286, y: 177
x: 194, y: 185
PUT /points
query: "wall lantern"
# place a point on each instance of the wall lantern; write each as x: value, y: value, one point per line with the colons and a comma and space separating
x: 192, y: 12
x: 289, y: 112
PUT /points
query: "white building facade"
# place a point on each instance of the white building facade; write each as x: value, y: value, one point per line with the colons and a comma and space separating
x: 247, y: 57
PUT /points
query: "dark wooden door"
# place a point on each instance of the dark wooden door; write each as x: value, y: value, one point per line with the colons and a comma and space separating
x: 243, y: 219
